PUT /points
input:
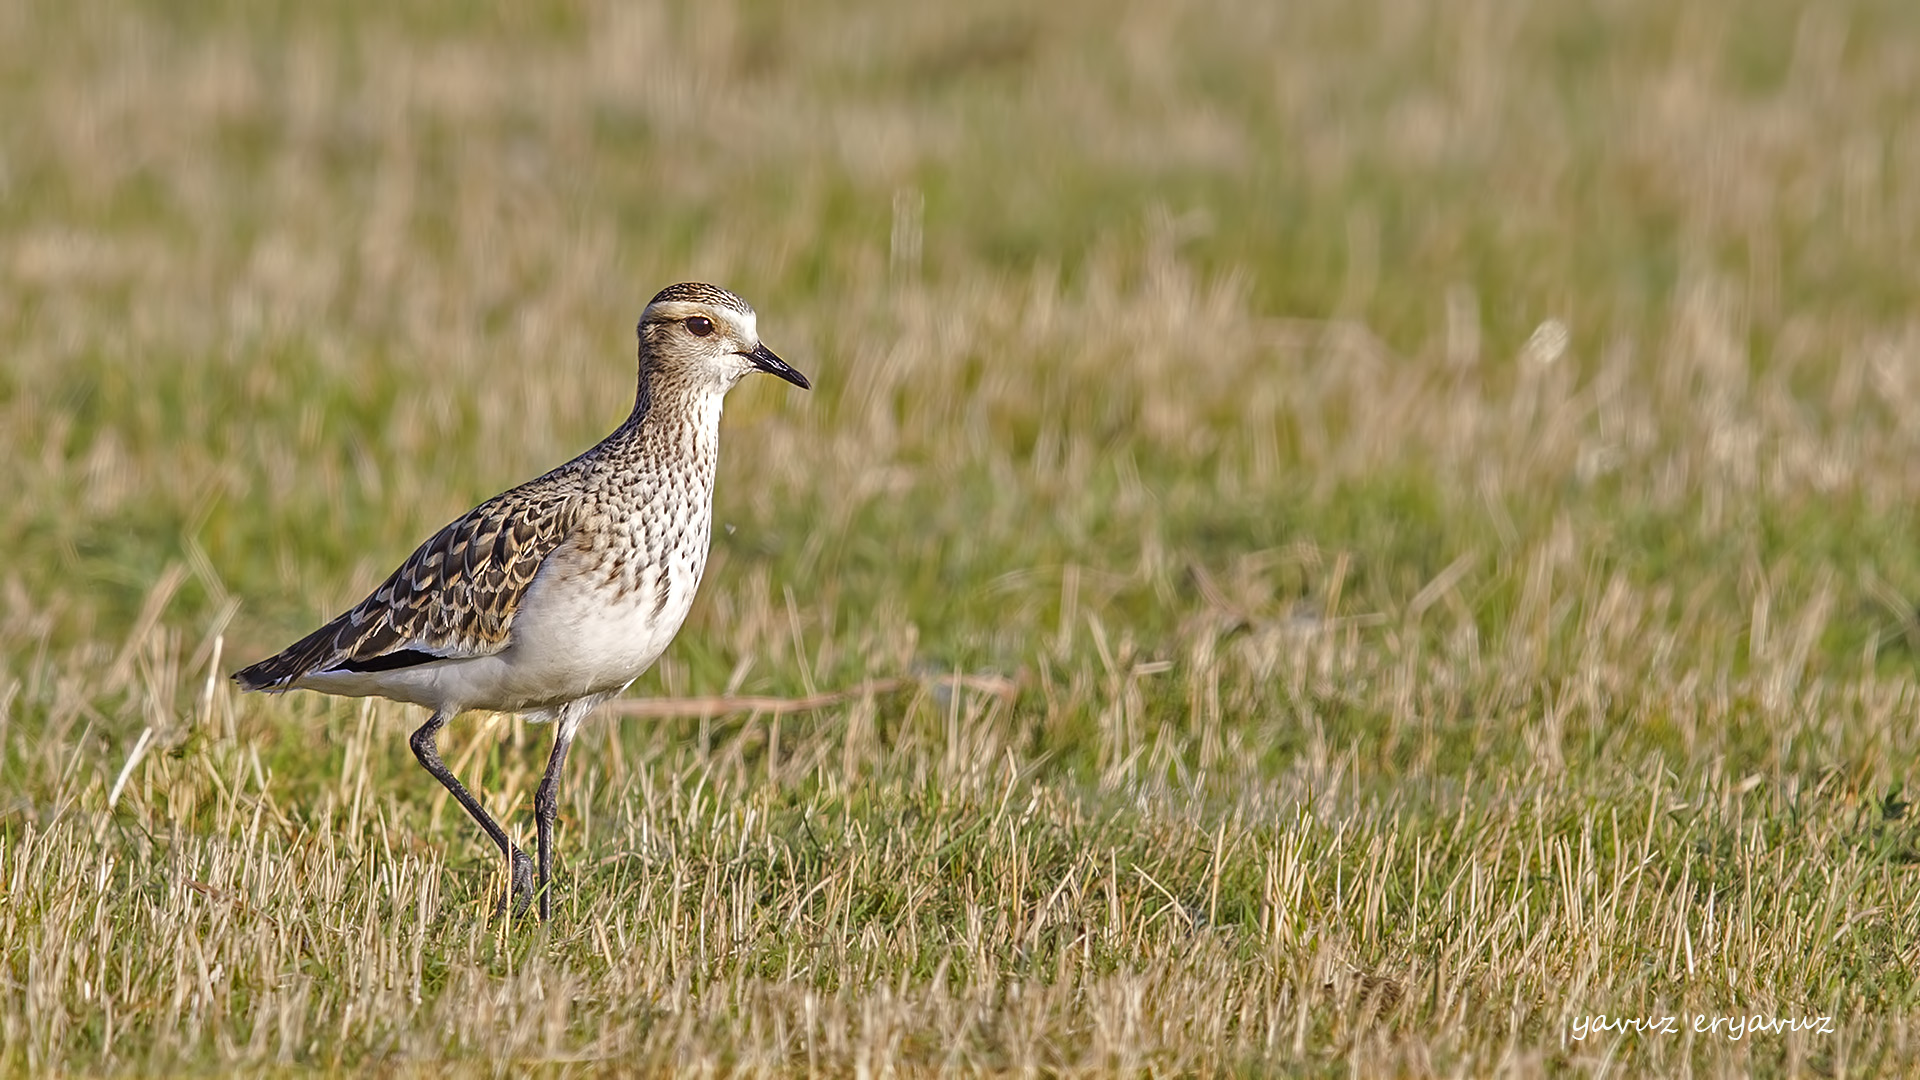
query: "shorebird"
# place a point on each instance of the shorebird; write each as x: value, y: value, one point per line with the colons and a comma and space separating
x: 554, y: 596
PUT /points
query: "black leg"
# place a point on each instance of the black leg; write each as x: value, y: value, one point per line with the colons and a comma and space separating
x: 425, y: 743
x: 546, y: 806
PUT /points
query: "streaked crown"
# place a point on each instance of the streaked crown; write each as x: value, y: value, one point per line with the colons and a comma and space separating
x: 699, y: 292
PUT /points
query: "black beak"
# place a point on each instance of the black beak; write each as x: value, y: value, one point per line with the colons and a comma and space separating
x: 763, y: 358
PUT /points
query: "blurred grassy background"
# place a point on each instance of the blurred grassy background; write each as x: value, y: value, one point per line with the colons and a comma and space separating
x: 1395, y: 444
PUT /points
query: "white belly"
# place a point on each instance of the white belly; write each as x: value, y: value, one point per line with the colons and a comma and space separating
x: 572, y: 639
x: 575, y: 636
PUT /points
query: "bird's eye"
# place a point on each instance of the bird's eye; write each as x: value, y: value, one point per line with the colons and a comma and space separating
x: 699, y: 326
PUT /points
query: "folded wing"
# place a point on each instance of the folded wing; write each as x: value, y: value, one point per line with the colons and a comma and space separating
x: 454, y: 597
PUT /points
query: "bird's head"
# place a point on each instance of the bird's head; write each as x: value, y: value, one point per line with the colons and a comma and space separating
x: 706, y: 336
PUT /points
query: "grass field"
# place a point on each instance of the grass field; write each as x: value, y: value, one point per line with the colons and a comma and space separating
x: 1419, y: 497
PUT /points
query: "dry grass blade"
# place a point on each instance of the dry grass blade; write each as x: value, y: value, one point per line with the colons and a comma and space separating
x: 998, y: 686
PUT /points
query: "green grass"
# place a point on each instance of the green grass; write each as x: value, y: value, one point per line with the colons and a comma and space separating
x: 1396, y: 690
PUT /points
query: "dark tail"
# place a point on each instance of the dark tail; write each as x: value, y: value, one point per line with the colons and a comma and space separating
x: 279, y: 671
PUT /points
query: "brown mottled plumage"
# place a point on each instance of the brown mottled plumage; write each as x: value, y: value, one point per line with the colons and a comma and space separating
x: 550, y: 598
x: 454, y: 596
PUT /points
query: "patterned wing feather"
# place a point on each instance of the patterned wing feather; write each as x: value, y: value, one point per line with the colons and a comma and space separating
x: 455, y: 596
